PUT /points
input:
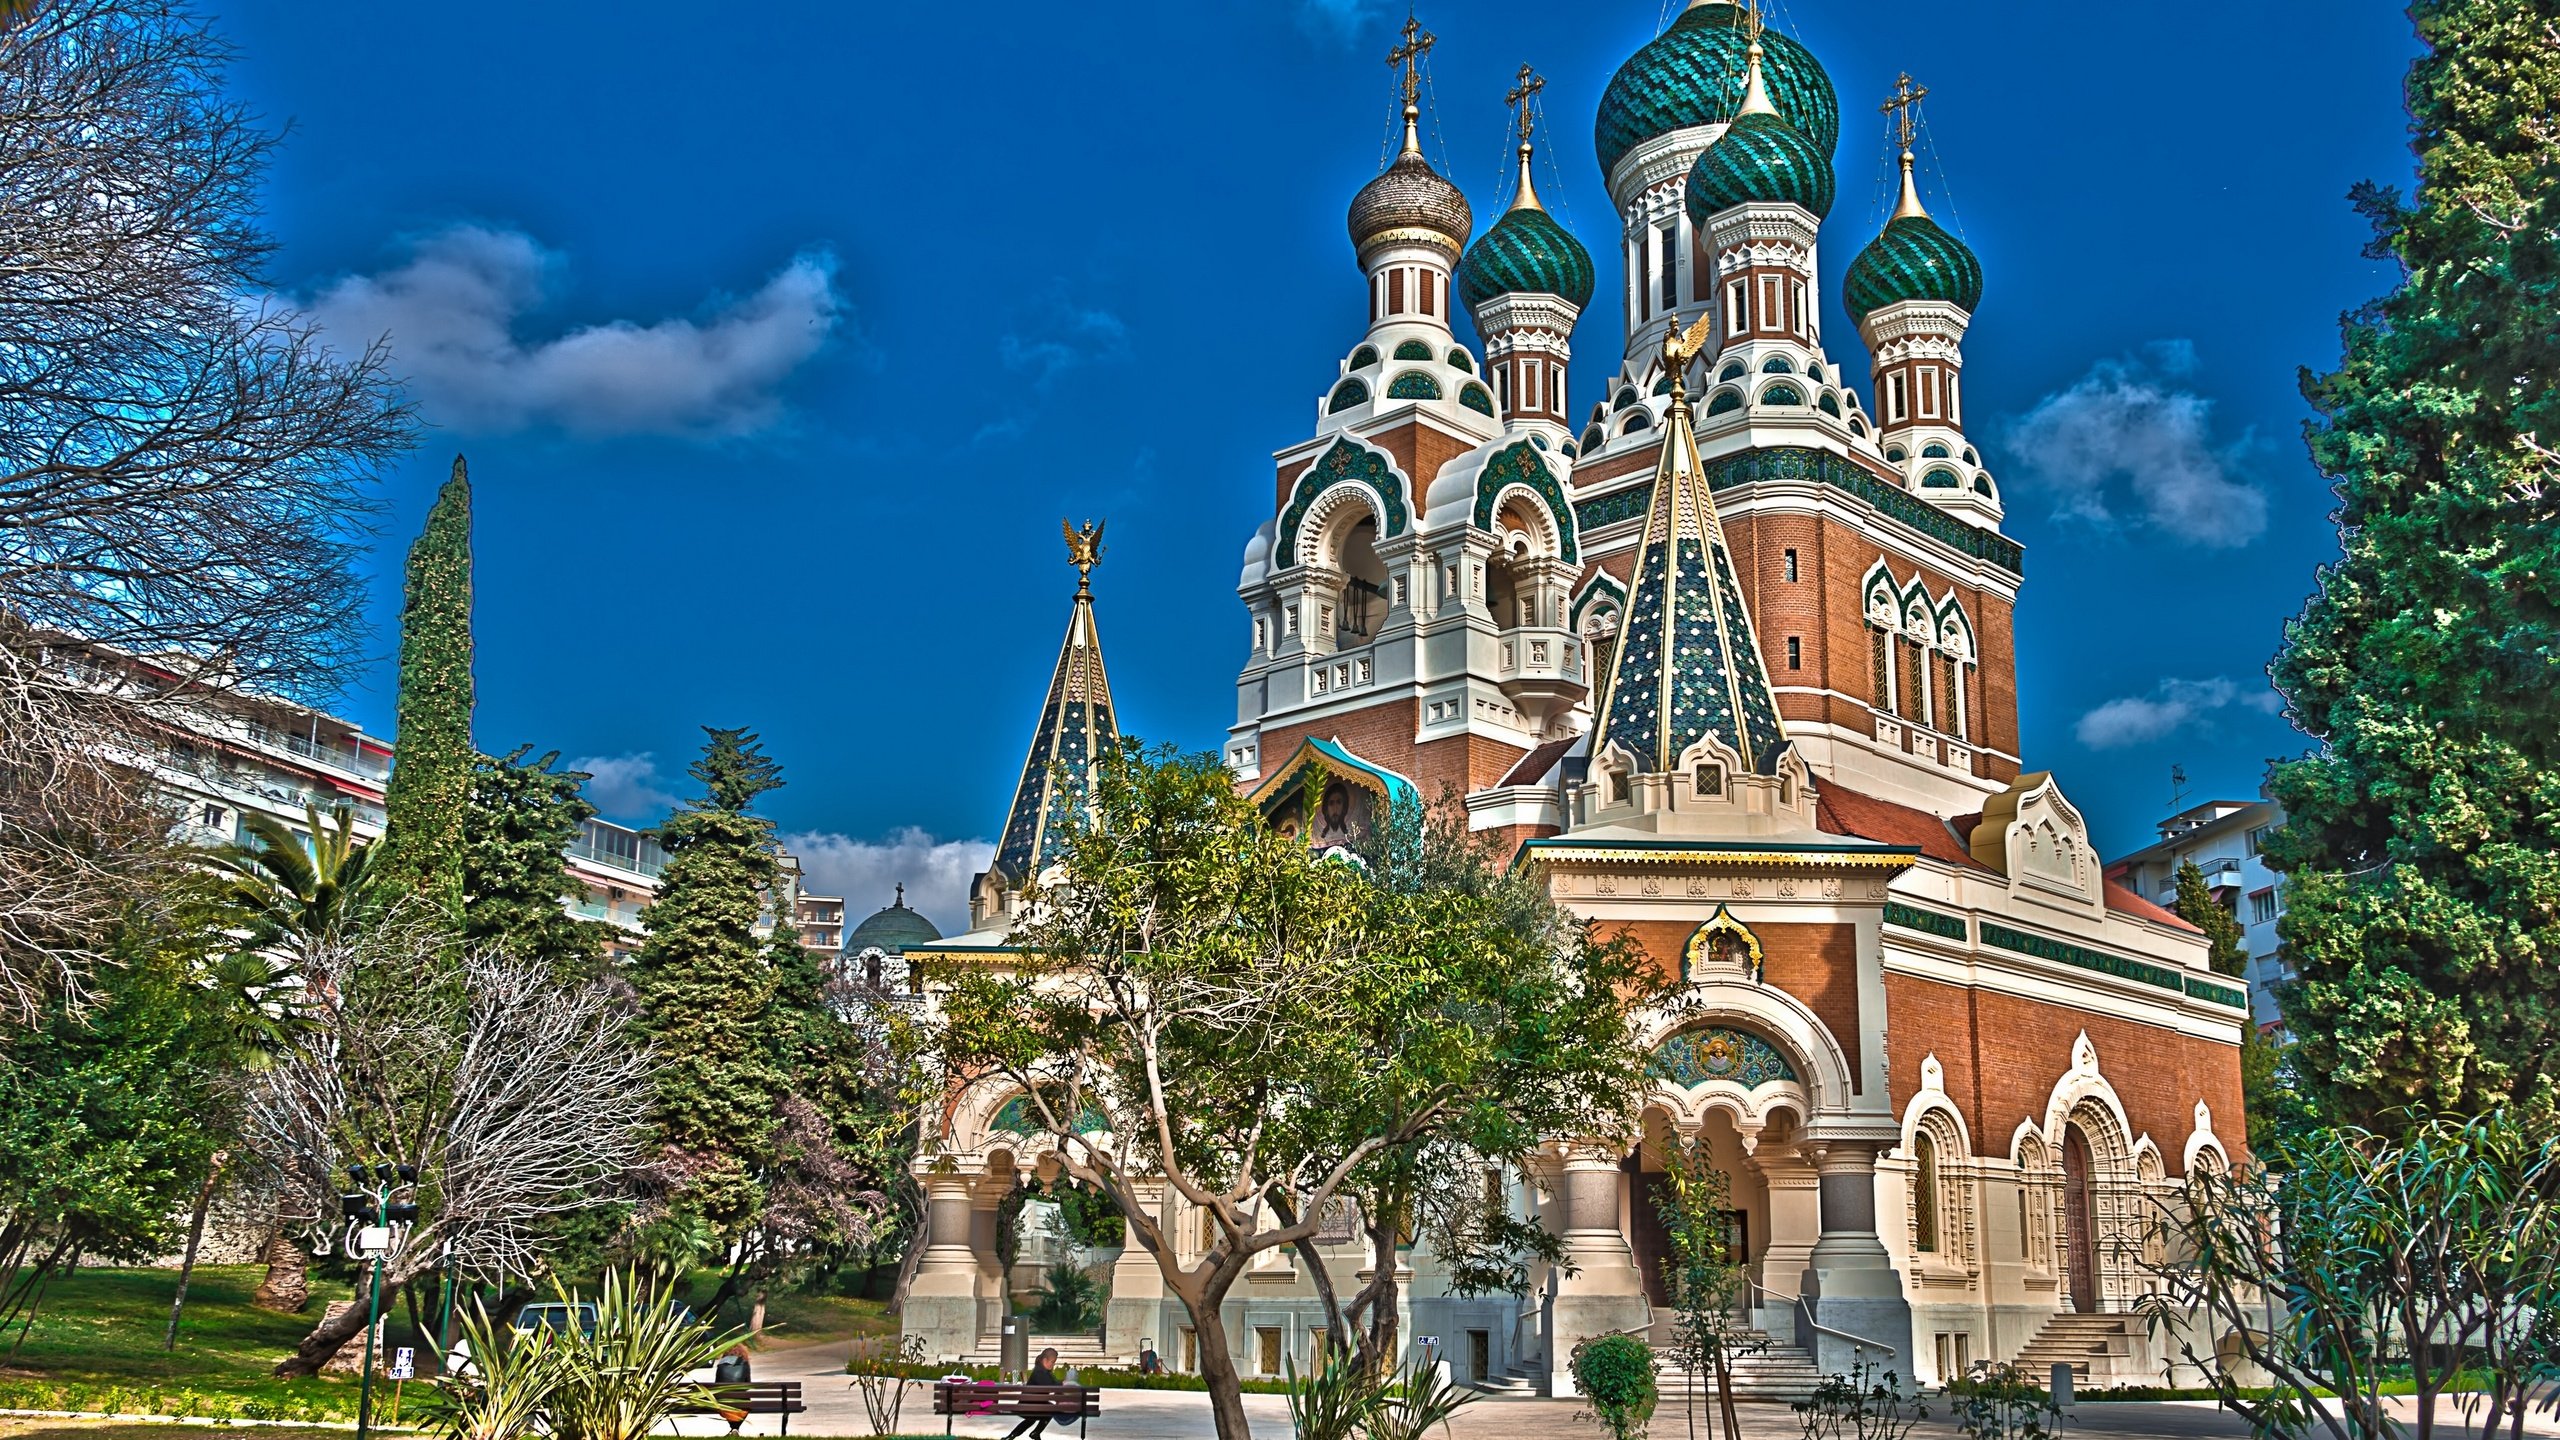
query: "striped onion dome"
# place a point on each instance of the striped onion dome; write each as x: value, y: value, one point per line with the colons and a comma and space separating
x: 1527, y: 253
x: 1692, y: 75
x: 1914, y: 259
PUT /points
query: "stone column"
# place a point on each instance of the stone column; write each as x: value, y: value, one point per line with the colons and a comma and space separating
x: 1795, y: 1226
x: 1850, y: 1285
x: 995, y: 1297
x: 1140, y: 1309
x: 942, y: 1303
x: 1604, y: 1293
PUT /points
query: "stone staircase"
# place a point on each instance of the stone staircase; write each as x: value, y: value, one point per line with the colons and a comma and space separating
x: 1079, y: 1351
x: 1519, y: 1382
x: 2100, y: 1349
x: 1775, y: 1372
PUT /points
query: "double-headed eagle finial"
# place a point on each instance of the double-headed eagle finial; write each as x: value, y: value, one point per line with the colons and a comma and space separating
x: 1084, y: 549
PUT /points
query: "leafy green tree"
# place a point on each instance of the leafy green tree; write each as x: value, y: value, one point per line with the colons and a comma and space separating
x: 430, y: 788
x: 706, y: 985
x: 109, y: 1119
x: 2229, y: 954
x: 2422, y: 839
x: 2266, y: 1091
x: 1706, y: 1283
x: 524, y: 815
x: 1258, y: 1025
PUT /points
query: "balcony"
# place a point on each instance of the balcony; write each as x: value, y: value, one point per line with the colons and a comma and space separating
x: 351, y: 759
x: 1540, y: 670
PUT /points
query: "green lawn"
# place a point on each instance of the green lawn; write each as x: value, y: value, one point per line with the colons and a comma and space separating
x: 95, y: 1345
x: 795, y: 1320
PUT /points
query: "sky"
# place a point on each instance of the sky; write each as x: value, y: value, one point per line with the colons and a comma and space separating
x: 779, y: 339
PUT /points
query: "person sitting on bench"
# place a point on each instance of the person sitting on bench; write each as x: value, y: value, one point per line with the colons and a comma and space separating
x: 1041, y: 1374
x: 1149, y: 1362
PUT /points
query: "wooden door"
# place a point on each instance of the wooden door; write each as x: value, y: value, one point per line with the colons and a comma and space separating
x: 2078, y: 1222
x: 1650, y: 1238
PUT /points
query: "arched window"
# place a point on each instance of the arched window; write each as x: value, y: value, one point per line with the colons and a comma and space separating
x: 1414, y: 385
x: 1731, y: 372
x: 1635, y: 422
x: 1924, y: 1193
x: 1941, y: 478
x: 1782, y: 394
x: 1364, y: 357
x: 1413, y: 350
x: 1459, y: 359
x: 1593, y: 439
x: 1934, y: 450
x: 1725, y: 400
x: 1628, y: 399
x: 1829, y: 404
x: 1777, y: 365
x: 1346, y: 395
x: 1475, y: 398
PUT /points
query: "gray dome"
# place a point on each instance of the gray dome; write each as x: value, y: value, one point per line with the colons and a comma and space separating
x: 1411, y: 203
x: 892, y: 930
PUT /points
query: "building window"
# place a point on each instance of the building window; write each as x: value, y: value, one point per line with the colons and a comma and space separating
x: 1894, y: 396
x: 1791, y: 567
x: 1924, y: 1193
x: 1881, y: 654
x: 1670, y: 252
x: 1795, y: 652
x: 1736, y: 314
x: 213, y: 817
x: 1266, y: 1349
x: 2262, y: 906
x: 1915, y: 683
x: 1709, y: 780
x: 2258, y: 837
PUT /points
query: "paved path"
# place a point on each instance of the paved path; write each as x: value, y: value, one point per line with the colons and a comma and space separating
x: 834, y: 1409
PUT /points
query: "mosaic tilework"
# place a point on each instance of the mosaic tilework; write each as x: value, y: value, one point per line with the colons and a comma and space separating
x: 1793, y: 462
x: 1346, y: 395
x: 1016, y: 1119
x: 1694, y: 1057
x: 1934, y: 922
x: 1345, y: 463
x: 1527, y: 253
x: 1761, y: 158
x: 1520, y: 465
x: 1477, y: 398
x: 1461, y: 360
x: 1691, y: 75
x: 1413, y: 350
x: 1413, y: 385
x: 1912, y: 260
x: 1076, y: 726
x: 1364, y: 357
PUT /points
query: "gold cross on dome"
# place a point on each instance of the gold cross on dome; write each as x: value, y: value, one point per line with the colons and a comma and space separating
x: 1531, y: 82
x: 1417, y: 43
x: 1904, y: 107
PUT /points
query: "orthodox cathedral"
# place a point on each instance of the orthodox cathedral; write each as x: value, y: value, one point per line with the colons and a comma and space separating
x: 1726, y: 652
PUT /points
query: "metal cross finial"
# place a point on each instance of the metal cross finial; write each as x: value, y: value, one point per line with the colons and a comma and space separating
x: 1904, y: 107
x: 1417, y: 43
x: 1531, y: 82
x: 902, y: 894
x: 1752, y: 22
x: 1084, y: 549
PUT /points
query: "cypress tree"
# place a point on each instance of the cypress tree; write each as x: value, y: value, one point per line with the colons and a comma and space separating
x: 2264, y: 1090
x: 2422, y: 838
x: 422, y: 843
x: 523, y: 816
x: 706, y: 985
x: 2196, y: 906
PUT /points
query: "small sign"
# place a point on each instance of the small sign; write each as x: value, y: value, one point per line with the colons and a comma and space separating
x: 1427, y: 1342
x: 404, y: 1363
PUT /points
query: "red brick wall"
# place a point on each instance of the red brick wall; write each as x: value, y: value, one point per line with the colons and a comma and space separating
x: 2003, y: 1055
x: 1817, y: 964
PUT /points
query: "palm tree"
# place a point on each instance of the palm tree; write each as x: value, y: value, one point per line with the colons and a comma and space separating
x: 281, y: 897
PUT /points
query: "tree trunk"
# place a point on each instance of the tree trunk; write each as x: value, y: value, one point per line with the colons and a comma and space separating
x: 325, y: 1340
x: 1218, y: 1371
x: 908, y: 1264
x: 755, y: 1316
x: 195, y: 1238
x: 287, y: 1288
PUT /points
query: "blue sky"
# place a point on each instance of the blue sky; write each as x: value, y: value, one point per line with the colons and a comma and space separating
x: 781, y: 338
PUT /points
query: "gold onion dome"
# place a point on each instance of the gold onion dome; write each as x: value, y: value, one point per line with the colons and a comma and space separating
x: 1411, y: 204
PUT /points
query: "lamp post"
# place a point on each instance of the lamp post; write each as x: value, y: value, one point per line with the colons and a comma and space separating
x: 377, y: 1225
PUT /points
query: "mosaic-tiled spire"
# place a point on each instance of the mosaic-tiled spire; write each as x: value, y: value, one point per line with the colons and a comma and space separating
x: 1687, y: 662
x: 1076, y: 725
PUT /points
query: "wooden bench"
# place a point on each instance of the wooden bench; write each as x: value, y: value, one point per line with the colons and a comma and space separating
x: 1010, y: 1401
x: 734, y: 1403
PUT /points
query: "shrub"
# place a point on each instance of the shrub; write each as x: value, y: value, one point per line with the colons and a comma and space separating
x: 1615, y: 1373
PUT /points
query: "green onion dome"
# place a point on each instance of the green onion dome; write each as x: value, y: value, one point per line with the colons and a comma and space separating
x: 1410, y: 203
x: 1913, y: 259
x: 1527, y: 253
x: 1763, y: 159
x: 1691, y: 75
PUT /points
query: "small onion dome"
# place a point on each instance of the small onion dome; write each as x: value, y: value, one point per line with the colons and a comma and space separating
x: 892, y: 929
x: 1691, y: 75
x: 1914, y: 259
x: 1410, y: 203
x: 1527, y: 253
x: 1760, y: 159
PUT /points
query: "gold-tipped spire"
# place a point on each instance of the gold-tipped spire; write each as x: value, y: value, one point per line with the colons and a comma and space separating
x: 1755, y: 90
x: 1904, y: 108
x: 1531, y: 82
x: 1417, y: 44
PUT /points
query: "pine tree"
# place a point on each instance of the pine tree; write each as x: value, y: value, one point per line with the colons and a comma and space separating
x: 2422, y: 839
x: 706, y: 987
x: 523, y: 817
x: 422, y: 843
x: 2195, y: 905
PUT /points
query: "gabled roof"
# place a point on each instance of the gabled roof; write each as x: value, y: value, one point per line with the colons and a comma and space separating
x: 1847, y: 812
x: 1389, y: 786
x: 1077, y: 724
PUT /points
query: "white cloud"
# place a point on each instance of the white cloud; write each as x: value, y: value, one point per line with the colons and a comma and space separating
x: 2128, y: 444
x: 867, y: 873
x: 625, y: 787
x: 2174, y: 706
x: 451, y: 311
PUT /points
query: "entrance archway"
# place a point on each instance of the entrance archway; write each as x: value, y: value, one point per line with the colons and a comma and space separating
x: 2079, y: 1220
x: 1650, y: 1200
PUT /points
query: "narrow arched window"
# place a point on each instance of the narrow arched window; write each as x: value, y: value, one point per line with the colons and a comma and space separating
x: 1924, y: 1193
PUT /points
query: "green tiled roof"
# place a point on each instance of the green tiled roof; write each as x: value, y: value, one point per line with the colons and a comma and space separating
x: 1912, y: 260
x: 1691, y: 75
x: 1527, y: 253
x: 1765, y: 159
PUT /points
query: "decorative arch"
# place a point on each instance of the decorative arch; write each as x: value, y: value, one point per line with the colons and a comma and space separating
x: 1881, y: 597
x: 1518, y: 467
x: 1723, y: 940
x: 1477, y: 398
x: 1414, y: 385
x: 1937, y: 1147
x: 1724, y: 401
x: 2204, y: 1147
x: 1413, y: 350
x: 1602, y: 586
x: 1364, y: 357
x: 1354, y: 463
x: 1955, y: 629
x: 1346, y: 395
x: 1791, y: 1028
x: 1782, y: 392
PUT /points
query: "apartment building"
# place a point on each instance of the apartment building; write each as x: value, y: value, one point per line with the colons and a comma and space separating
x: 2223, y: 838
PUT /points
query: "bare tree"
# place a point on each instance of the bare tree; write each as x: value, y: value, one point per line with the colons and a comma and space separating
x: 186, y: 473
x: 517, y: 1098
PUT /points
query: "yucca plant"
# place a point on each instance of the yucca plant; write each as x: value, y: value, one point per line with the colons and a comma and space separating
x: 1338, y: 1402
x: 1415, y: 1403
x: 501, y: 1393
x: 619, y: 1379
